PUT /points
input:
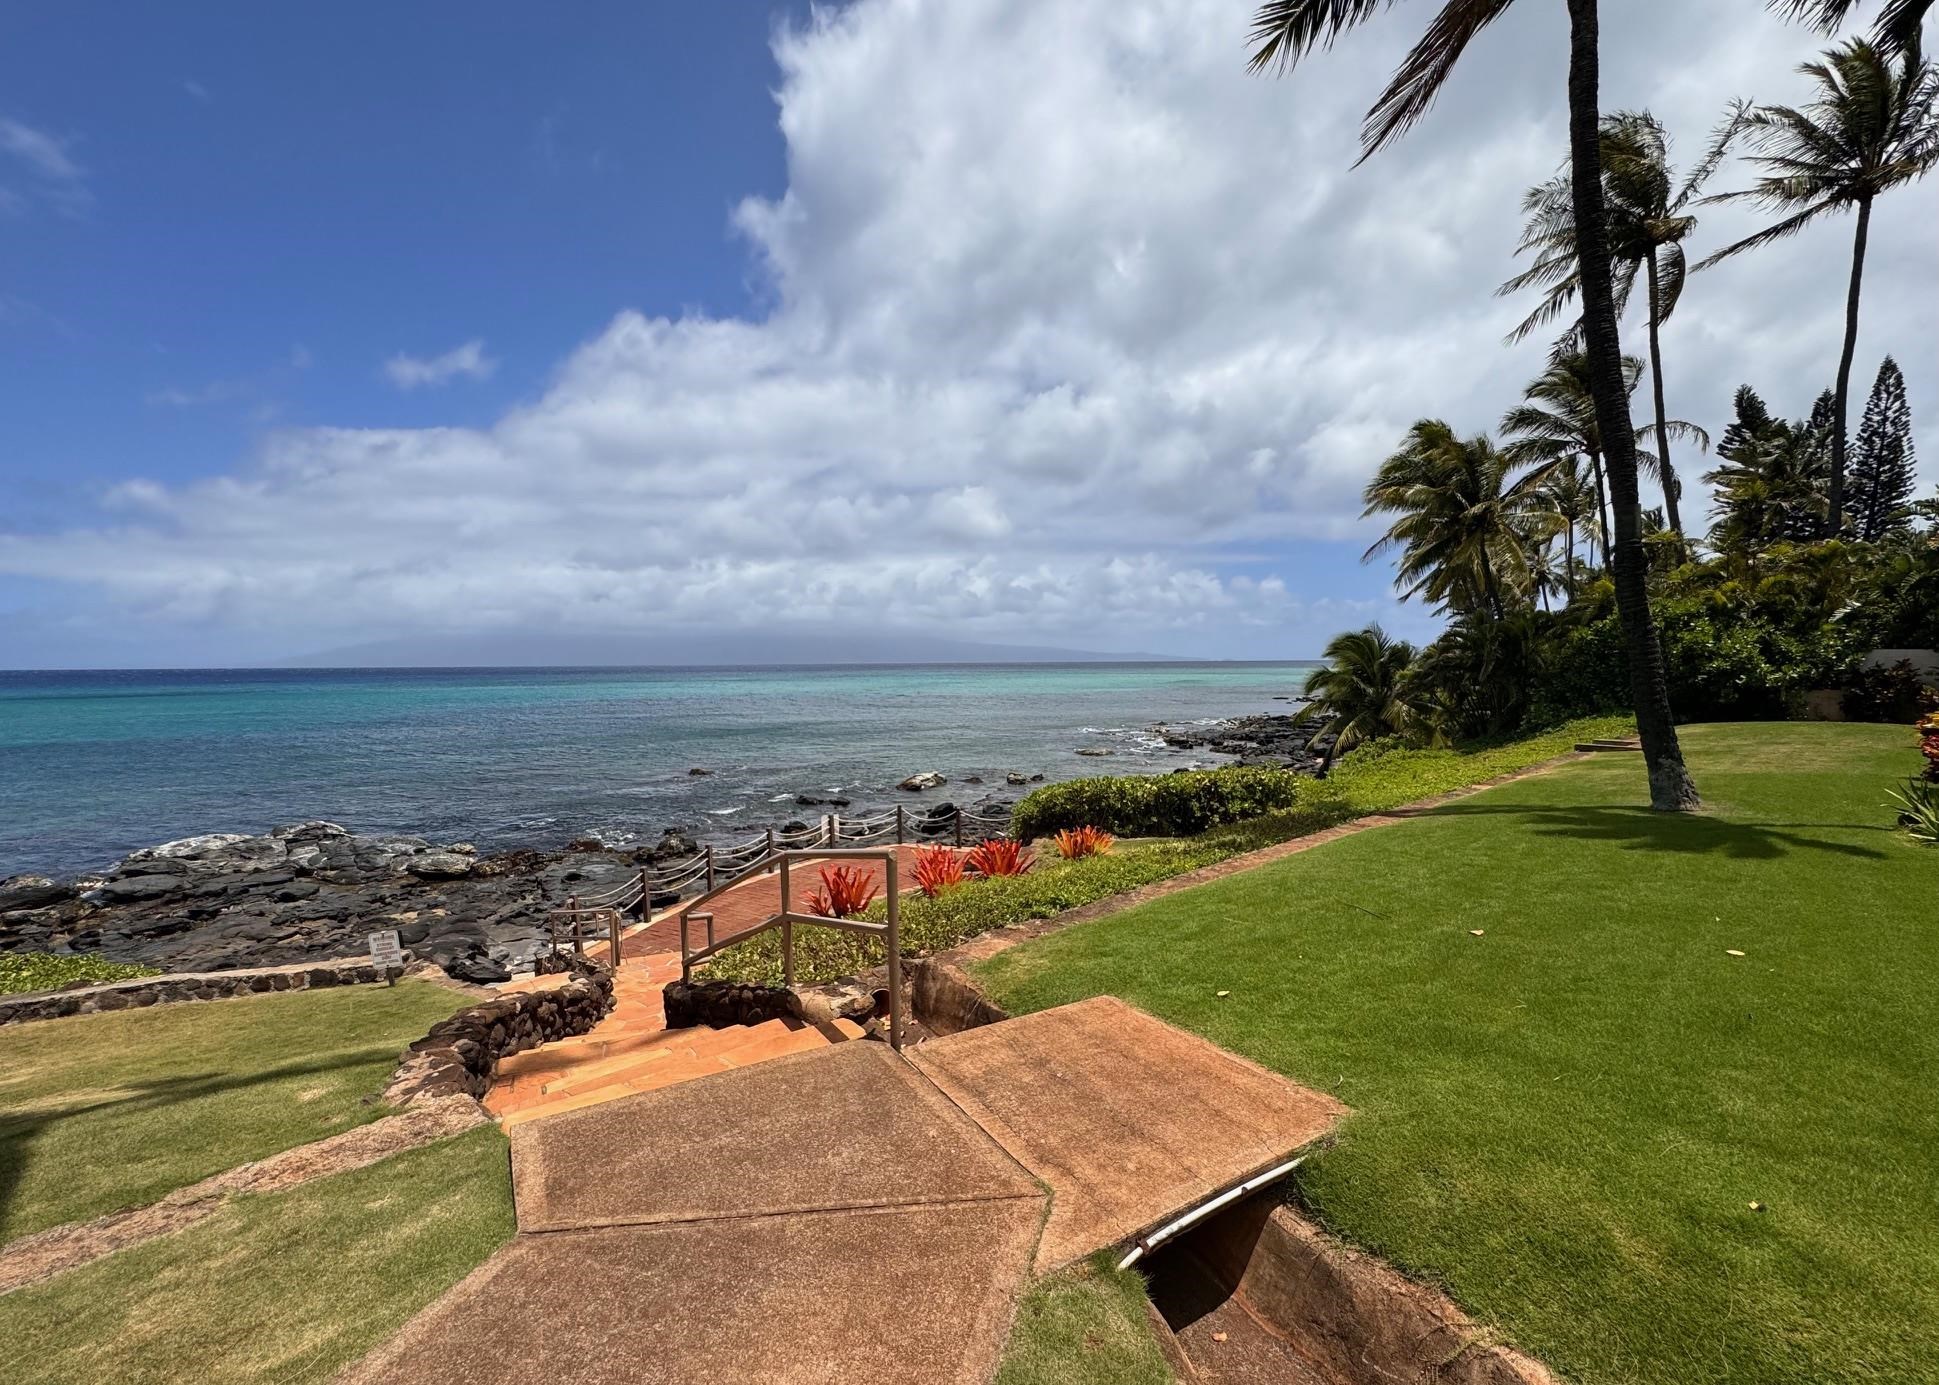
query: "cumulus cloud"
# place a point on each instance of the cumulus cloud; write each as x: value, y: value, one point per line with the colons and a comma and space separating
x: 412, y: 372
x: 51, y: 174
x: 1072, y: 332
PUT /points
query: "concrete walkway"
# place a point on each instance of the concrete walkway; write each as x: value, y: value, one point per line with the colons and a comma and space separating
x: 847, y: 1214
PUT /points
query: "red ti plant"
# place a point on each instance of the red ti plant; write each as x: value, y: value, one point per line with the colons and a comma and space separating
x: 999, y: 856
x: 938, y: 868
x: 1928, y: 727
x: 1075, y: 843
x: 845, y: 892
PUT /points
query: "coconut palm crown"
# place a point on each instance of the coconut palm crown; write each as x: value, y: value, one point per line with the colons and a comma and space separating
x: 1870, y: 127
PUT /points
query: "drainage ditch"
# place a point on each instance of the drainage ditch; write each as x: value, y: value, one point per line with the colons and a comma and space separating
x: 1257, y: 1295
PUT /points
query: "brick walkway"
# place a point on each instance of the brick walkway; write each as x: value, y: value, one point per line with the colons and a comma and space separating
x: 632, y: 1050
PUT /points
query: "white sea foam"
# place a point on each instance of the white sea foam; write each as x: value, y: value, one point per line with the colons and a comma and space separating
x: 723, y: 812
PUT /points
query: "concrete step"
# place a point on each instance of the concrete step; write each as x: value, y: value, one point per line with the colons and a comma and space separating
x: 1609, y: 745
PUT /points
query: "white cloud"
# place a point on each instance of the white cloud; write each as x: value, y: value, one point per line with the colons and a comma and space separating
x: 52, y: 174
x: 412, y: 372
x: 197, y: 90
x: 1072, y: 328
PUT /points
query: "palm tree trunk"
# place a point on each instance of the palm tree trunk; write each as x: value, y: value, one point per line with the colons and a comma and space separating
x: 1835, y: 511
x: 1568, y: 572
x: 1671, y: 788
x: 1670, y: 486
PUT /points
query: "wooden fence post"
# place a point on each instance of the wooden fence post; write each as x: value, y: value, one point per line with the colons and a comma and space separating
x: 900, y: 826
x: 710, y: 867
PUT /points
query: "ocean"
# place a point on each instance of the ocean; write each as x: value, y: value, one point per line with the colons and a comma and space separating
x: 95, y: 764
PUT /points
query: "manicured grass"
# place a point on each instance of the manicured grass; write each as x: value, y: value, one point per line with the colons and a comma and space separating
x: 1569, y: 1118
x: 100, y: 1112
x: 1086, y: 1326
x: 280, y: 1287
x: 1367, y: 781
x: 22, y: 972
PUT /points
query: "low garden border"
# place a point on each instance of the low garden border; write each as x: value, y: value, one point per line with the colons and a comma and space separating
x: 143, y: 991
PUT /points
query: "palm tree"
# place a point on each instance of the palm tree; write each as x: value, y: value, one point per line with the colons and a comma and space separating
x: 1558, y: 422
x: 1359, y: 691
x: 1870, y: 128
x: 1897, y: 27
x: 1460, y: 523
x: 1648, y: 222
x: 1570, y: 501
x: 1283, y: 32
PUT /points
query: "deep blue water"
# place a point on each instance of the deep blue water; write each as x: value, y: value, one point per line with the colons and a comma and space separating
x: 95, y: 764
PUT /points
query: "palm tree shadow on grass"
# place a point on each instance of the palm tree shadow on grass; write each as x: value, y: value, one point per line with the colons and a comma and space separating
x: 1686, y: 834
x: 18, y: 1133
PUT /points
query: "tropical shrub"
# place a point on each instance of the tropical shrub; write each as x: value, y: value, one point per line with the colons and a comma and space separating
x: 1918, y: 805
x: 1890, y: 694
x: 1929, y: 744
x: 938, y: 868
x: 1075, y: 843
x: 999, y: 856
x: 846, y: 891
x: 1157, y: 805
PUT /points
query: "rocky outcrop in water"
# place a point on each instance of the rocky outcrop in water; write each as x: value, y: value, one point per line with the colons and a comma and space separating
x: 309, y: 891
x: 1281, y: 742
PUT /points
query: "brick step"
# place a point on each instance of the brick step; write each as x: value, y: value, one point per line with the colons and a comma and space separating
x: 675, y: 1044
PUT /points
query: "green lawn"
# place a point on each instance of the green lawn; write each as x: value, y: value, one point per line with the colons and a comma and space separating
x: 1568, y: 1119
x: 1086, y: 1326
x: 282, y: 1287
x: 100, y: 1112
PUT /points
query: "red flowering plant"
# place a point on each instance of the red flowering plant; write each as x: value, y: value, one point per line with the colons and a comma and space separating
x: 1075, y: 843
x: 938, y: 868
x: 999, y: 856
x: 846, y: 891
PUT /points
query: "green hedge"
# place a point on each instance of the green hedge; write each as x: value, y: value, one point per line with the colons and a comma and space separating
x: 21, y: 972
x: 1159, y: 805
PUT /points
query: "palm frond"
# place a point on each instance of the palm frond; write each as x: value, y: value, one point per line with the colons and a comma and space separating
x: 1422, y: 73
x: 1284, y: 31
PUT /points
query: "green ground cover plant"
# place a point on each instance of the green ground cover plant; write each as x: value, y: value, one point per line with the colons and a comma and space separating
x: 100, y: 1112
x: 1372, y: 779
x: 275, y: 1287
x: 22, y: 972
x: 1634, y: 1152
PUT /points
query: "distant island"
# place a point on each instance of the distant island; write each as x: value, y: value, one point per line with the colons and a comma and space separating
x: 538, y: 649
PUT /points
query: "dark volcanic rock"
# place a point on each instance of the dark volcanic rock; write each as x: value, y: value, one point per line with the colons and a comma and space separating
x: 305, y: 893
x: 1284, y: 742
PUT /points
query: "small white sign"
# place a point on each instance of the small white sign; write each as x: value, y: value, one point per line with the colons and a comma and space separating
x: 386, y: 950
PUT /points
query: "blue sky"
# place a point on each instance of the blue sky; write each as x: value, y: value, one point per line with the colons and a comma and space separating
x: 1029, y: 324
x: 278, y: 199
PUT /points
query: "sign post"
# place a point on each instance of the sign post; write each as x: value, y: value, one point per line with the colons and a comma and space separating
x: 387, y: 953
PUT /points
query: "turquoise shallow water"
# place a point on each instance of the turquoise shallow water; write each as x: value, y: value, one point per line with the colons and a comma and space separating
x: 93, y: 765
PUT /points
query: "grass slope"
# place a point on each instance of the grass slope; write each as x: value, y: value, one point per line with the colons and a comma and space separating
x: 1086, y: 1326
x: 1568, y: 1119
x: 100, y: 1112
x: 281, y: 1287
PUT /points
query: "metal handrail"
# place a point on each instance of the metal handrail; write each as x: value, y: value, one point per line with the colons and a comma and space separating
x: 787, y: 917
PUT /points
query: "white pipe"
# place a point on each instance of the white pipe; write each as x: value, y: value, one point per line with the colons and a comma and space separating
x: 1164, y: 1233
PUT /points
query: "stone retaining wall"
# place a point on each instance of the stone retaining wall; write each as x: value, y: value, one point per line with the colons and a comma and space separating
x: 460, y: 1054
x: 144, y: 991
